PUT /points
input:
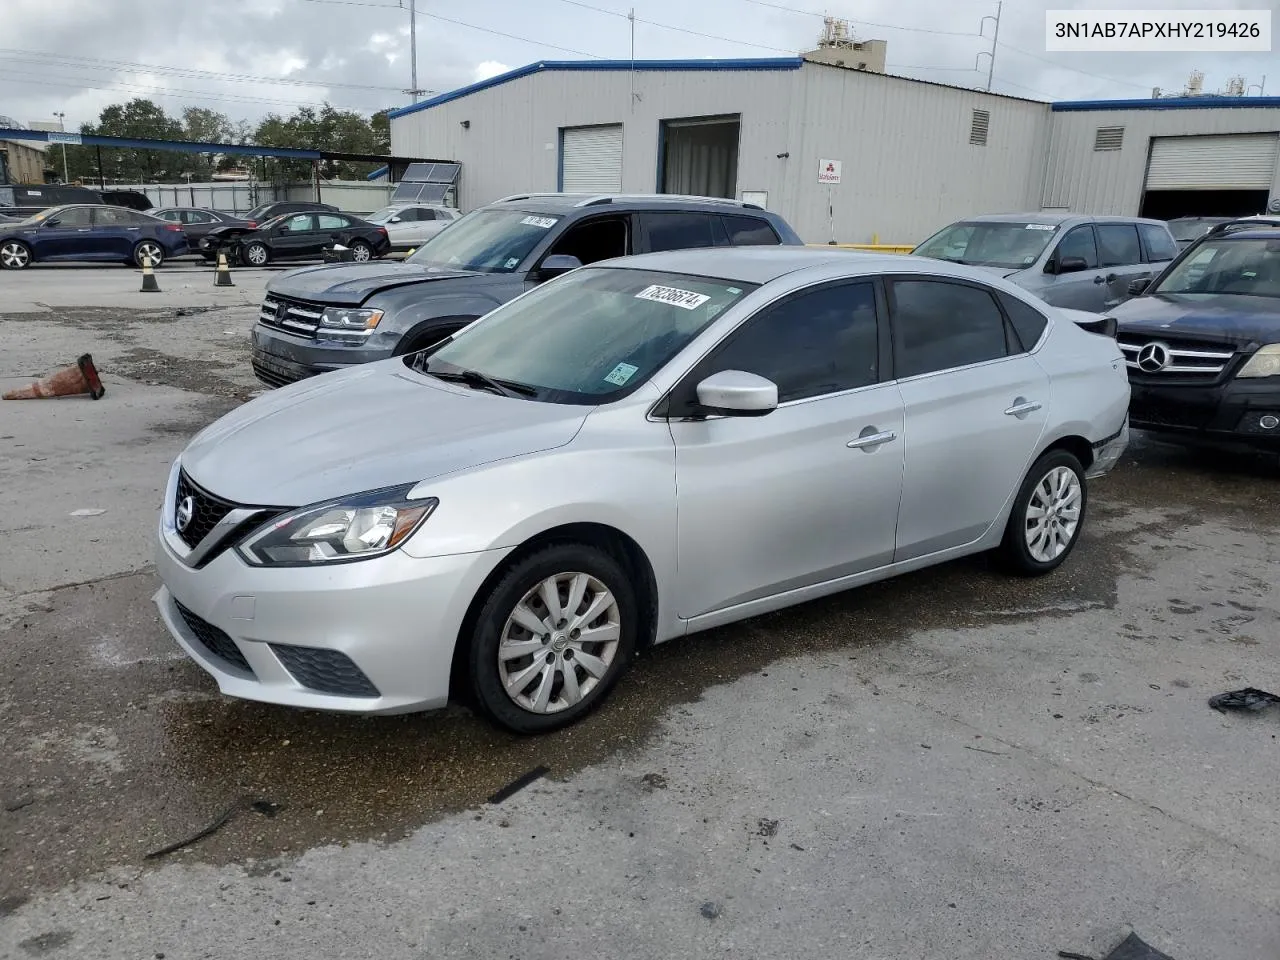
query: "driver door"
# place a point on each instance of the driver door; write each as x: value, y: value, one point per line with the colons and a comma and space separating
x: 1081, y: 289
x: 68, y: 239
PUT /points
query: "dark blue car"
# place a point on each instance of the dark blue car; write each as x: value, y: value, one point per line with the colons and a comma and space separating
x: 89, y: 232
x: 1202, y: 342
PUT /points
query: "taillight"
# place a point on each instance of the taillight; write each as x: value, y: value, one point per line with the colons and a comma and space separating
x: 252, y: 225
x: 171, y: 227
x: 382, y: 230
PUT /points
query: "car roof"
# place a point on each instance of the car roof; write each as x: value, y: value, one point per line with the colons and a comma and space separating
x: 1054, y: 217
x: 566, y: 203
x: 1261, y: 232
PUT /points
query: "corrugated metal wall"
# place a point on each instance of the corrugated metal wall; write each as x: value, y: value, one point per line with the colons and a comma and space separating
x: 1083, y: 180
x: 908, y: 165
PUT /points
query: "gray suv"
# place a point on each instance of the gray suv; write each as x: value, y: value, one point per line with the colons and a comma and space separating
x: 329, y: 317
x: 1085, y: 263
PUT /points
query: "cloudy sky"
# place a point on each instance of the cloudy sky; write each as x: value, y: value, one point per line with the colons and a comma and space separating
x: 249, y: 57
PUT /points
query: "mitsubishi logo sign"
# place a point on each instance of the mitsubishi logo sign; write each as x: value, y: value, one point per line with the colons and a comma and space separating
x: 1153, y: 358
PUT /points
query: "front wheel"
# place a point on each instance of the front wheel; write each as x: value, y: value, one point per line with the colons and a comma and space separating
x: 553, y: 636
x: 148, y: 251
x: 256, y: 254
x: 15, y: 255
x: 361, y: 252
x: 1047, y: 515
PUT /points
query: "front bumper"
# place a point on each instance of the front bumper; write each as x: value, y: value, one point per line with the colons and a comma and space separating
x: 281, y: 358
x: 1238, y: 410
x: 392, y: 620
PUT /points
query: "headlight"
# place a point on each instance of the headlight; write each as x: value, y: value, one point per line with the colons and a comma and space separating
x: 1264, y: 363
x: 351, y: 528
x: 345, y: 318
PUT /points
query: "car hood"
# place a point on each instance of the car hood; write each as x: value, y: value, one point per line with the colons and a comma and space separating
x: 1238, y: 319
x: 349, y: 286
x: 375, y: 425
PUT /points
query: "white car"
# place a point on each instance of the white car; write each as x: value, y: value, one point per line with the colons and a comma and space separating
x: 637, y: 450
x: 412, y: 224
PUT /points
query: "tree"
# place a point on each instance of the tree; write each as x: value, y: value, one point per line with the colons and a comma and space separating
x: 202, y: 125
x: 341, y: 131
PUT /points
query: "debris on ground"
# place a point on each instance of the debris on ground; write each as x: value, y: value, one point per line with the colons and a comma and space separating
x: 80, y: 377
x: 1249, y: 698
x: 88, y: 512
x: 264, y: 807
x: 710, y: 910
x: 518, y: 784
x: 654, y: 781
x: 1131, y: 947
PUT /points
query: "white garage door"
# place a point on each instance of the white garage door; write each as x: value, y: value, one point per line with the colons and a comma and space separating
x: 591, y: 159
x: 1236, y: 162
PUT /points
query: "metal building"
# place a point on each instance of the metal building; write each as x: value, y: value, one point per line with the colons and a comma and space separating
x: 843, y: 153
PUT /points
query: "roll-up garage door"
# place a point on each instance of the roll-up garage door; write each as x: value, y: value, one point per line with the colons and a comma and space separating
x: 1236, y: 162
x: 591, y: 159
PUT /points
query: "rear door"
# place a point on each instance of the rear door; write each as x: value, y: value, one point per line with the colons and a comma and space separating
x: 330, y: 228
x: 116, y: 231
x: 197, y: 223
x: 1120, y: 257
x: 296, y: 236
x: 975, y: 408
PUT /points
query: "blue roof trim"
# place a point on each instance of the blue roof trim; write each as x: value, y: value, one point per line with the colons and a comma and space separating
x: 181, y: 146
x: 380, y: 172
x: 1172, y: 103
x: 756, y: 63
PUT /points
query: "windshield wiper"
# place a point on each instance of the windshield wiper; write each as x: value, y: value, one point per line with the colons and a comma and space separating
x: 474, y: 378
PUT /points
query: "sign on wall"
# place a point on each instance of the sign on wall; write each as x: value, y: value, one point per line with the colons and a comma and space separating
x: 828, y: 171
x: 56, y: 137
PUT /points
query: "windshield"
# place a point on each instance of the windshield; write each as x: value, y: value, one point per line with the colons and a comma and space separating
x: 384, y: 215
x: 43, y: 215
x: 1239, y: 266
x: 1191, y: 229
x: 588, y: 337
x: 1010, y: 245
x: 488, y: 241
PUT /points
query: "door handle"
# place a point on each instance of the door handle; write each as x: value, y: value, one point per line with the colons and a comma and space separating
x: 870, y: 438
x: 1022, y: 406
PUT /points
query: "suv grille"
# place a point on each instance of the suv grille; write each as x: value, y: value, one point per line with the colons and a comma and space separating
x: 1159, y: 357
x: 292, y: 316
x: 327, y: 671
x: 214, y: 640
x: 207, y: 510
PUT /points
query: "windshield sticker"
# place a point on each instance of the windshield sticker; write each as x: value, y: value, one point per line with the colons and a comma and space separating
x: 1039, y: 226
x: 543, y: 222
x: 685, y: 299
x: 621, y: 374
x: 734, y: 290
x: 512, y: 263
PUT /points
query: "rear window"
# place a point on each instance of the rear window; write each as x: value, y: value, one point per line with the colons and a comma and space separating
x: 1160, y: 245
x: 678, y: 231
x: 1027, y: 321
x: 749, y: 231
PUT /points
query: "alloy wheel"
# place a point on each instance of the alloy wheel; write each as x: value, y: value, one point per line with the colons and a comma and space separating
x: 360, y: 253
x: 1053, y: 514
x: 559, y: 642
x: 14, y: 256
x: 256, y: 254
x: 149, y: 253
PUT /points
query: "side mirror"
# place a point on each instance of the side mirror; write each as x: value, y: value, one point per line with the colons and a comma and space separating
x: 1138, y: 287
x: 52, y: 222
x: 555, y: 265
x: 736, y: 393
x: 1072, y: 265
x: 394, y: 220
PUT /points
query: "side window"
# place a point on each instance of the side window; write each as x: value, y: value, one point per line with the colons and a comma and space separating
x: 1027, y: 322
x: 812, y: 343
x: 76, y: 217
x: 1158, y: 241
x: 298, y: 224
x: 329, y: 221
x: 678, y: 231
x: 938, y: 325
x: 749, y: 231
x: 1118, y: 244
x: 423, y: 213
x: 1079, y: 243
x: 200, y: 216
x: 594, y: 240
x: 173, y: 216
x: 111, y: 217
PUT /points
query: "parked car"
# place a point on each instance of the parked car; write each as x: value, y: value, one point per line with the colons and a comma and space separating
x: 1085, y: 263
x: 296, y: 236
x: 325, y: 318
x: 641, y: 449
x: 196, y: 223
x: 1187, y: 230
x: 1202, y: 343
x: 89, y: 233
x: 269, y: 211
x: 412, y: 225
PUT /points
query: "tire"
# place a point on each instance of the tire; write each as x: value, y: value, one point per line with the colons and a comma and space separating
x: 361, y: 252
x: 1032, y: 545
x: 546, y: 701
x: 15, y: 255
x: 148, y: 249
x: 255, y: 254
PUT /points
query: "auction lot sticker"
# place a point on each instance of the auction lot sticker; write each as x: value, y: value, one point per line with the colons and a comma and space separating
x: 685, y: 299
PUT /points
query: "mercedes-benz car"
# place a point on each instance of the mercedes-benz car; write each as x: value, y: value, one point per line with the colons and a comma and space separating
x: 638, y: 450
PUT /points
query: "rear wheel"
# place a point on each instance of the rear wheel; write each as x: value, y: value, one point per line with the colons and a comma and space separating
x: 361, y: 252
x: 1047, y: 515
x: 148, y: 251
x: 15, y: 255
x: 553, y: 636
x: 256, y: 254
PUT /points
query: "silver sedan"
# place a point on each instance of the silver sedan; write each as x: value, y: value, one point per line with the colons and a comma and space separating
x: 637, y: 450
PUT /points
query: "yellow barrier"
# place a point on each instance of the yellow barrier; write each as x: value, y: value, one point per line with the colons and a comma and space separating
x: 873, y: 247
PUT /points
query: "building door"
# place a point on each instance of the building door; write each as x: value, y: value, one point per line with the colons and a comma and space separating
x: 1224, y: 175
x: 591, y: 159
x: 700, y: 157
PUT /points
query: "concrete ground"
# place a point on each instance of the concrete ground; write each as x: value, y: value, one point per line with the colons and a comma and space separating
x: 952, y: 764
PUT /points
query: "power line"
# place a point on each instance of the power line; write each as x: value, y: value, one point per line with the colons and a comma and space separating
x: 869, y: 23
x: 1063, y: 66
x: 675, y: 29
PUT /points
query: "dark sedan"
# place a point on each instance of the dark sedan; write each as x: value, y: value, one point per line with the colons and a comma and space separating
x: 298, y: 236
x: 1203, y: 342
x: 197, y: 222
x: 90, y: 233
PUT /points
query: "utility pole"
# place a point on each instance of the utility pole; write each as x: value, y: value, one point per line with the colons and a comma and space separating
x: 63, y: 127
x: 982, y: 25
x: 631, y: 15
x: 413, y: 51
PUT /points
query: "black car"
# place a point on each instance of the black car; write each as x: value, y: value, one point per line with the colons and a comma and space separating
x: 1202, y: 342
x: 269, y: 211
x: 324, y: 318
x: 297, y: 236
x: 197, y: 222
x: 1187, y: 230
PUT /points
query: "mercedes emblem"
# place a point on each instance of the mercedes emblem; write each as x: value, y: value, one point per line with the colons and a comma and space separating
x: 1153, y: 358
x: 186, y: 510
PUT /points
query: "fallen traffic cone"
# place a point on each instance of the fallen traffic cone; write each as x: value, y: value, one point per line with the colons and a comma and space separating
x: 149, y: 284
x: 222, y: 276
x: 80, y: 377
x: 410, y: 253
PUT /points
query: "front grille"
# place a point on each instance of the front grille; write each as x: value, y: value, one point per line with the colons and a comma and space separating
x: 1144, y: 413
x: 325, y: 671
x: 292, y: 316
x: 214, y: 640
x: 1197, y: 361
x: 272, y: 376
x: 207, y: 510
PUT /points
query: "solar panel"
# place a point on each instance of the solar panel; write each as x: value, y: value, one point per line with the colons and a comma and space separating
x: 431, y: 173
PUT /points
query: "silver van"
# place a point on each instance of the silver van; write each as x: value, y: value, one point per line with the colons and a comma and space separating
x: 1085, y: 263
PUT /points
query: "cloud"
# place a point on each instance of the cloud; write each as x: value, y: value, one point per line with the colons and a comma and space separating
x: 490, y: 68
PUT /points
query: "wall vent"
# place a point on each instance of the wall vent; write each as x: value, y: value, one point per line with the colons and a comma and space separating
x: 979, y: 126
x: 1108, y: 138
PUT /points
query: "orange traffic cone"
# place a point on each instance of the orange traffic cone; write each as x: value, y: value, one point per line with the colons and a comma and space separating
x: 80, y: 377
x: 149, y: 284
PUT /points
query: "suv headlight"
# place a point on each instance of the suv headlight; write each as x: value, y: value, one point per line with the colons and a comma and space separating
x: 347, y: 318
x: 350, y: 528
x: 1264, y: 363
